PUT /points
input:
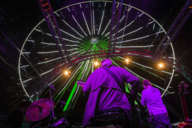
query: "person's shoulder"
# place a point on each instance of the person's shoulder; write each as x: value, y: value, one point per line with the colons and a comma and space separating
x: 98, y: 70
x: 154, y: 88
x: 118, y: 68
x: 144, y: 91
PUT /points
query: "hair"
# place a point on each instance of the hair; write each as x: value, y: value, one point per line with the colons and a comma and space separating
x: 146, y: 82
x: 106, y: 63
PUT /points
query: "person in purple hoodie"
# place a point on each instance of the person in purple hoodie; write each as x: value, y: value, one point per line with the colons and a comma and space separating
x: 151, y: 98
x: 104, y: 93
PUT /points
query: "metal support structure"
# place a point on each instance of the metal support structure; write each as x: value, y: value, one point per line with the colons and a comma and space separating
x: 53, y: 26
x: 183, y: 70
x: 175, y: 27
x: 116, y: 13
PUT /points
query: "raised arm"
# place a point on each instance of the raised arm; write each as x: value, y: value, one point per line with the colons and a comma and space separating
x: 87, y: 86
x: 133, y: 80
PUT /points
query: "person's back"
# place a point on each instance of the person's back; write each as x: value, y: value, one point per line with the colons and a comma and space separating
x: 101, y: 78
x: 104, y: 92
x: 151, y: 98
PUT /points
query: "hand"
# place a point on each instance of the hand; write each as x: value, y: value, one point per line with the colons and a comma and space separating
x: 82, y: 86
x: 81, y: 83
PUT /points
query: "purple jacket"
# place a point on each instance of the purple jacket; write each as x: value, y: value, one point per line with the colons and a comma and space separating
x: 112, y: 96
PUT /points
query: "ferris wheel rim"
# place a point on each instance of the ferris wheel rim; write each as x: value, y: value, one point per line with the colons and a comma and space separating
x: 19, y: 60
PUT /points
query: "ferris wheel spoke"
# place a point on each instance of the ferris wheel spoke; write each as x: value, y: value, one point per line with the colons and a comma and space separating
x: 130, y: 33
x: 44, y: 73
x: 141, y: 78
x: 60, y: 75
x: 44, y: 62
x: 48, y: 52
x: 157, y: 33
x: 48, y: 34
x: 139, y: 47
x: 101, y: 19
x: 106, y: 27
x: 83, y: 76
x: 86, y: 23
x: 127, y: 15
x: 129, y: 24
x: 70, y: 26
x: 93, y: 18
x: 145, y: 68
x: 67, y: 83
x: 79, y: 25
x: 115, y: 26
x: 135, y: 39
x: 64, y: 38
x: 71, y: 78
x: 69, y: 34
x: 67, y: 45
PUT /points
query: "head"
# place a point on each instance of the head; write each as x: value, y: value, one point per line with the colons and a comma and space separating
x: 146, y: 83
x: 106, y: 63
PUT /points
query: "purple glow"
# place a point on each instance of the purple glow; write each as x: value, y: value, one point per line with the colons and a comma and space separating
x: 61, y: 121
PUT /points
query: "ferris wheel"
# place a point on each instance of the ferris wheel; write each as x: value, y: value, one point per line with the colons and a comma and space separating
x: 85, y: 29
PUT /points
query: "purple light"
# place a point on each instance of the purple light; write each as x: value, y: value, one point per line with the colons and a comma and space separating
x: 61, y: 121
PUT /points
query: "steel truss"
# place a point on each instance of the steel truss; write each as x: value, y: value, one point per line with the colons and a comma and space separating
x: 53, y: 26
x: 116, y: 13
x: 183, y: 70
x: 175, y: 27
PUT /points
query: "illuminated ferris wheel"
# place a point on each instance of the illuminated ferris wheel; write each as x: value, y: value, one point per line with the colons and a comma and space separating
x: 85, y: 28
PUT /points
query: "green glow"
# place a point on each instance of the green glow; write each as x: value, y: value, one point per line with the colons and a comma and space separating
x: 72, y: 93
x: 70, y: 80
x: 126, y: 89
x: 75, y: 86
x: 94, y: 46
x: 136, y: 102
x: 185, y: 74
x: 183, y: 69
x: 84, y: 78
x: 61, y: 95
x: 85, y: 45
